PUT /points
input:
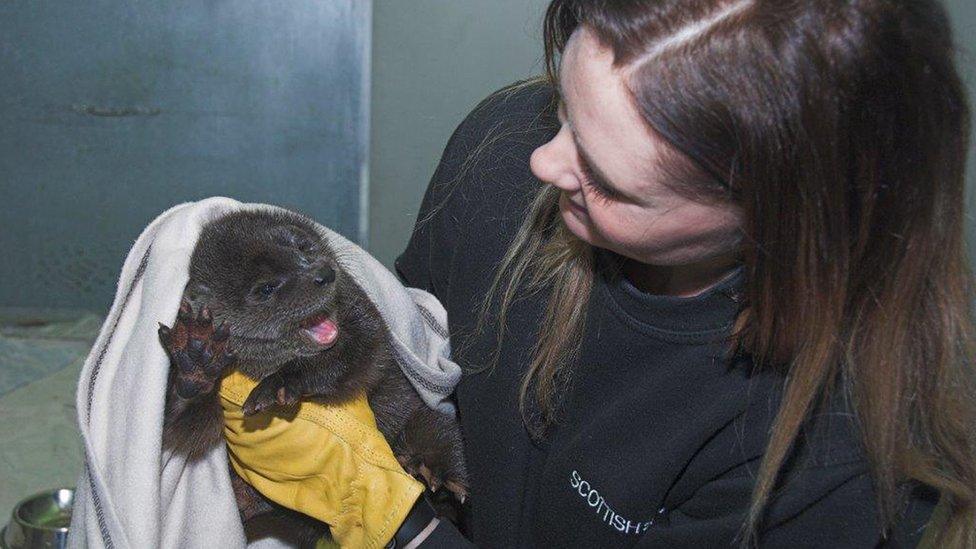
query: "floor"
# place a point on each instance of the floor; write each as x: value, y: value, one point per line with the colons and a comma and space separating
x: 41, y: 353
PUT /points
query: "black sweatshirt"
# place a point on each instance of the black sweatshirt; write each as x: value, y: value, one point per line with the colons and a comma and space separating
x: 659, y: 438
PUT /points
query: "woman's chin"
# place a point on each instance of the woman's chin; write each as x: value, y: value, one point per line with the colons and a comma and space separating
x: 579, y: 227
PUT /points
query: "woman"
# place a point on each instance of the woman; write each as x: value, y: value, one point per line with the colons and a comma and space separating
x: 737, y: 309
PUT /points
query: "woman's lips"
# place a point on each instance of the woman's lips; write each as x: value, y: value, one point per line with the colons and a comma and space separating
x: 580, y: 211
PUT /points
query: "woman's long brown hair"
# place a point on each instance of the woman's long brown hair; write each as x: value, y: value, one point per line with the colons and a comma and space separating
x: 840, y: 128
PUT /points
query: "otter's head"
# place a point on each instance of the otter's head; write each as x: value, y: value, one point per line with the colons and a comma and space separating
x: 272, y: 279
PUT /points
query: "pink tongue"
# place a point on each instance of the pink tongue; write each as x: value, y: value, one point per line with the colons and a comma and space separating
x: 324, y: 332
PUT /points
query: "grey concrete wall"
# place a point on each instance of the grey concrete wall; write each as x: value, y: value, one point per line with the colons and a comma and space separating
x: 963, y: 14
x: 433, y: 61
x: 113, y: 111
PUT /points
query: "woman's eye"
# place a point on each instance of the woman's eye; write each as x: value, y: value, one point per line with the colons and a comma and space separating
x: 595, y: 185
x: 268, y: 289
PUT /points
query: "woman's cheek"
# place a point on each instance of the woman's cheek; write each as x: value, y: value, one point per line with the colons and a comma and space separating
x: 615, y: 228
x: 611, y: 218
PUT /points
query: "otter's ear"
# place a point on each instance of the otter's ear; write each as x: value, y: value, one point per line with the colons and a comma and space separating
x: 292, y: 236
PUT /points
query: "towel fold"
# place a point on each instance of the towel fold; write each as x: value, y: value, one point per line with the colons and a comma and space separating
x: 130, y: 494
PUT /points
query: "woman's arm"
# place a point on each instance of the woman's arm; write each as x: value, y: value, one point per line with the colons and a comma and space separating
x: 425, y: 264
x: 423, y: 529
x: 474, y: 165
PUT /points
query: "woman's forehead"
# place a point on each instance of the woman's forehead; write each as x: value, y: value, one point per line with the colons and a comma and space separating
x: 599, y: 105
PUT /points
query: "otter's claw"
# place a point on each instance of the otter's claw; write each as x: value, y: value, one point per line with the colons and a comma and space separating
x: 457, y: 488
x: 435, y: 480
x: 198, y: 351
x: 274, y: 390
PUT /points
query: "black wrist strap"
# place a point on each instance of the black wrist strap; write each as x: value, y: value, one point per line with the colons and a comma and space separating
x: 417, y: 519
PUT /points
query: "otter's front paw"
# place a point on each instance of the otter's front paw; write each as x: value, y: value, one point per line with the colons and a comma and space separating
x: 274, y: 390
x: 436, y: 474
x: 198, y: 352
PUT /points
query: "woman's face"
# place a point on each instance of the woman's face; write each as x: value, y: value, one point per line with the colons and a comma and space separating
x: 603, y: 160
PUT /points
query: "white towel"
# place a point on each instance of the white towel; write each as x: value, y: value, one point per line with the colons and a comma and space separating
x: 129, y: 494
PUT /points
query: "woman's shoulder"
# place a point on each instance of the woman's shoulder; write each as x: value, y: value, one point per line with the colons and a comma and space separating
x: 517, y: 105
x: 488, y: 154
x: 474, y: 202
x: 489, y: 150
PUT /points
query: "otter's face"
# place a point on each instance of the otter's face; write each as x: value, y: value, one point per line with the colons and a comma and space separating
x: 272, y: 279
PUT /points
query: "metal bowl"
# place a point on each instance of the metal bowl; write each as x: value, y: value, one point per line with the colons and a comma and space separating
x: 40, y: 521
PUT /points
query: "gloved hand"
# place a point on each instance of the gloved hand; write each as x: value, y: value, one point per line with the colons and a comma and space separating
x: 330, y: 463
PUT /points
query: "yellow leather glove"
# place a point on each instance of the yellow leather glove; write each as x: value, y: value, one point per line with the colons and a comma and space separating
x: 328, y: 462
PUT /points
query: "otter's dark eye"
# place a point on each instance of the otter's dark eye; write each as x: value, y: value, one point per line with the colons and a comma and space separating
x: 265, y: 290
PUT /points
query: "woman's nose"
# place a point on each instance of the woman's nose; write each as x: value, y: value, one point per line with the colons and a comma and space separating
x: 552, y: 162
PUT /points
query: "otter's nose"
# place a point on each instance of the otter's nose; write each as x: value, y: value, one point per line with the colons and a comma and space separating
x: 324, y: 276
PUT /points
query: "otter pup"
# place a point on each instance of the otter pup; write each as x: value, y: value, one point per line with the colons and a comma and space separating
x: 267, y: 296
